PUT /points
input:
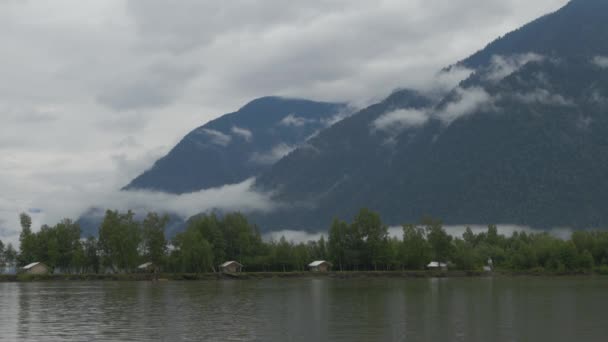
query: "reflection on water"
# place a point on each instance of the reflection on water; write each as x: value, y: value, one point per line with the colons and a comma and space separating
x: 476, y: 309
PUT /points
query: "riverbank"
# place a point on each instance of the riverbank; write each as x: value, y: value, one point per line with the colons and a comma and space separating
x: 291, y: 275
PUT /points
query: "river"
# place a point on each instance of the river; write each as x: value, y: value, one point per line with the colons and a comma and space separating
x: 309, y: 309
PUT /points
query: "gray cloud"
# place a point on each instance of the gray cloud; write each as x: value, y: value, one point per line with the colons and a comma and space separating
x: 294, y: 120
x: 157, y: 85
x: 543, y: 96
x: 242, y: 132
x: 601, y: 61
x: 503, y: 66
x: 467, y: 101
x: 216, y: 137
x: 270, y: 157
x: 400, y: 119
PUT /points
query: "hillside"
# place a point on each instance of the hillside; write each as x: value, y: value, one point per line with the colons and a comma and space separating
x: 522, y: 141
x: 238, y: 145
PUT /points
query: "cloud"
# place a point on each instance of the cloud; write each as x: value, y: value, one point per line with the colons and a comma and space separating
x: 294, y: 236
x: 466, y: 101
x: 601, y: 61
x: 543, y: 96
x: 503, y: 66
x: 157, y: 85
x: 216, y: 137
x: 294, y: 121
x: 270, y: 157
x: 400, y: 119
x: 242, y: 132
x: 56, y: 205
x: 503, y: 229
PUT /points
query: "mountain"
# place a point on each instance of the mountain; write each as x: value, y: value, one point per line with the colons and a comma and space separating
x: 238, y: 145
x: 523, y: 140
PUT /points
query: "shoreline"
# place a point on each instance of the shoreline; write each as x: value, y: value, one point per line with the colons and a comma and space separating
x: 285, y: 275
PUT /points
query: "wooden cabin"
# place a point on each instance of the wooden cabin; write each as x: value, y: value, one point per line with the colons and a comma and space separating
x: 36, y: 268
x: 231, y: 267
x: 320, y: 266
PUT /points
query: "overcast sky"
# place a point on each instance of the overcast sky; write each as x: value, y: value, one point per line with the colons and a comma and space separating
x: 94, y: 91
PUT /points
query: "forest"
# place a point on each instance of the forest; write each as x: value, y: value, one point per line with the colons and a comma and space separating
x: 363, y: 244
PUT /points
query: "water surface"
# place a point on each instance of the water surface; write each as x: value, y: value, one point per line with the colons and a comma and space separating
x: 323, y: 309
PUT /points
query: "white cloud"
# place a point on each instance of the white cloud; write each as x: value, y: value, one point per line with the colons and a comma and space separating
x: 543, y: 96
x: 275, y: 154
x: 503, y: 229
x: 242, y: 132
x: 294, y: 120
x: 294, y: 236
x: 601, y: 61
x: 401, y: 119
x: 217, y: 137
x: 503, y: 66
x: 467, y: 101
x: 60, y: 203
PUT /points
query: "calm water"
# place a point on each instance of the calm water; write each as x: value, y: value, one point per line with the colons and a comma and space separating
x: 481, y: 309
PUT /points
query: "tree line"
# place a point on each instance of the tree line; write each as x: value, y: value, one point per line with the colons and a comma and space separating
x: 124, y: 242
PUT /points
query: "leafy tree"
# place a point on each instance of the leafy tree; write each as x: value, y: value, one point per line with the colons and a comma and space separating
x: 193, y: 253
x: 119, y: 238
x: 91, y: 255
x: 154, y: 244
x: 415, y: 252
x: 440, y: 241
x: 26, y: 240
x: 372, y: 235
x: 338, y: 242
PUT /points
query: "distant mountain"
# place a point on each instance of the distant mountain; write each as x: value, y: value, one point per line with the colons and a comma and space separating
x: 523, y: 140
x: 238, y: 145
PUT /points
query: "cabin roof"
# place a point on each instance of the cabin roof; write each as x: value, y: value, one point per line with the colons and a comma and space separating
x: 27, y: 267
x: 318, y: 263
x: 228, y: 263
x: 145, y: 265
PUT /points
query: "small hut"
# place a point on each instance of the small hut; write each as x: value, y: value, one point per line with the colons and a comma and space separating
x: 36, y: 268
x: 147, y: 267
x: 320, y: 266
x: 436, y: 265
x: 231, y: 267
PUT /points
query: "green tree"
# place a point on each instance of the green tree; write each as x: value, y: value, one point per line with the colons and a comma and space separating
x: 373, y: 236
x: 415, y: 252
x: 10, y: 254
x: 119, y: 239
x: 338, y: 242
x: 194, y: 254
x: 439, y: 240
x: 154, y: 244
x: 91, y: 255
x: 26, y: 241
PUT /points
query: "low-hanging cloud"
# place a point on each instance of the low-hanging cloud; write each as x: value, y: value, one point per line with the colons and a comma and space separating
x: 273, y: 155
x: 216, y: 137
x: 601, y: 61
x: 466, y: 101
x: 503, y: 66
x: 294, y: 120
x: 396, y: 232
x: 401, y: 119
x: 52, y: 207
x: 543, y: 96
x: 242, y: 132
